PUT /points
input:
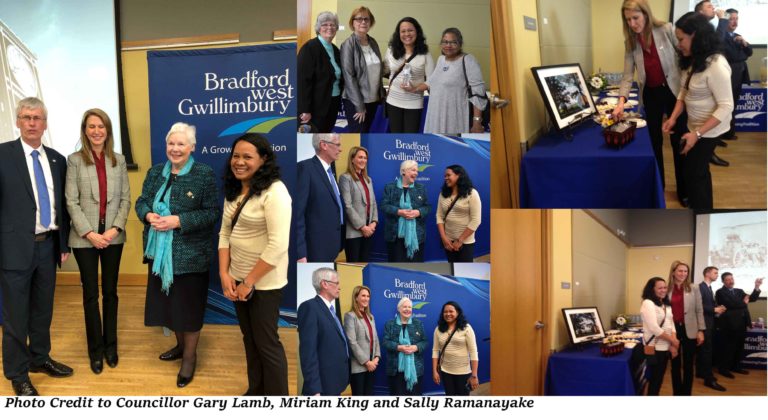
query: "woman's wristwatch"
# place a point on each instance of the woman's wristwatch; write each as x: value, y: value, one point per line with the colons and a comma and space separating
x: 477, y: 119
x: 698, y: 135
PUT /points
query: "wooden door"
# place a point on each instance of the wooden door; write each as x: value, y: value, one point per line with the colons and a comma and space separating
x: 505, y: 146
x: 519, y: 291
x: 304, y: 22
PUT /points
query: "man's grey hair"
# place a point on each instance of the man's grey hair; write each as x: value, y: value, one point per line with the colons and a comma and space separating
x: 317, y: 138
x: 323, y: 273
x: 325, y: 17
x: 31, y: 103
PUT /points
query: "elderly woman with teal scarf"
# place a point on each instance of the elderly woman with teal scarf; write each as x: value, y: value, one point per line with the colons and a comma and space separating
x: 405, y: 342
x: 405, y: 207
x: 179, y: 206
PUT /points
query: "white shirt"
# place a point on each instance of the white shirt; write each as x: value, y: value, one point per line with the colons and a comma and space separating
x: 39, y: 228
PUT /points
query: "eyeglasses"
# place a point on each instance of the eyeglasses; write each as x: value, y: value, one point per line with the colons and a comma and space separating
x: 362, y: 19
x: 329, y: 25
x: 451, y: 43
x: 31, y: 118
x: 332, y: 282
x: 330, y: 142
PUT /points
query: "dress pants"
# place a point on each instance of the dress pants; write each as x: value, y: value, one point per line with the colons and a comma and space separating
x: 362, y: 383
x: 102, y: 339
x: 264, y: 354
x: 352, y: 125
x: 464, y: 255
x: 656, y: 372
x: 698, y: 178
x: 733, y: 348
x: 358, y: 249
x: 704, y: 356
x: 325, y: 123
x: 28, y: 311
x: 657, y: 102
x: 397, y: 385
x: 403, y: 120
x: 454, y: 384
x: 396, y: 252
x: 683, y: 385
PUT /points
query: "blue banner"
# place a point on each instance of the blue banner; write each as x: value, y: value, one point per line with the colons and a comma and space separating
x: 226, y: 92
x: 433, y: 153
x: 751, y: 110
x: 429, y: 292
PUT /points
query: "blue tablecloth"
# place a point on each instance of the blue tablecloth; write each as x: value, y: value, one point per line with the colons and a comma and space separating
x: 586, y: 372
x: 586, y: 173
x: 751, y: 109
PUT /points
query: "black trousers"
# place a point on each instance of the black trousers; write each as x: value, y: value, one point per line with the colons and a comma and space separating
x: 396, y: 252
x: 704, y: 356
x: 682, y: 385
x: 403, y: 120
x: 325, y: 123
x: 464, y: 255
x: 733, y: 348
x: 264, y: 353
x: 362, y: 383
x: 659, y: 101
x: 454, y: 384
x: 352, y: 125
x: 358, y: 249
x: 397, y: 385
x: 698, y: 178
x: 28, y: 311
x: 102, y: 338
x: 656, y: 372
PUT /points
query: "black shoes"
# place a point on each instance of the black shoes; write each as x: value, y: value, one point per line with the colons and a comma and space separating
x: 111, y: 360
x: 172, y: 354
x: 53, y: 369
x: 712, y: 383
x: 740, y: 371
x: 717, y: 160
x: 182, y: 381
x: 97, y: 366
x: 24, y: 389
x: 721, y: 143
x: 725, y: 373
x: 729, y: 136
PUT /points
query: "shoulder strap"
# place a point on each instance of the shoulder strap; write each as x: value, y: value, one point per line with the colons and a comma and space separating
x: 453, y: 203
x: 397, y: 73
x: 239, y: 209
x: 466, y: 80
x: 442, y: 350
x: 663, y: 308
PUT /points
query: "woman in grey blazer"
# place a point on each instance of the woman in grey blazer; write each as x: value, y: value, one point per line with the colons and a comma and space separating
x: 361, y: 211
x: 650, y: 49
x: 688, y: 316
x: 363, y: 342
x: 98, y: 200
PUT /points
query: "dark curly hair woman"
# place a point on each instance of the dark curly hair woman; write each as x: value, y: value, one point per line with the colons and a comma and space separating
x: 458, y: 215
x: 706, y: 97
x: 253, y: 257
x: 658, y: 331
x: 409, y: 63
x: 454, y: 352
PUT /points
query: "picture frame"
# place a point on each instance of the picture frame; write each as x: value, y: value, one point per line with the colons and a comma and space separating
x: 583, y: 324
x: 565, y: 93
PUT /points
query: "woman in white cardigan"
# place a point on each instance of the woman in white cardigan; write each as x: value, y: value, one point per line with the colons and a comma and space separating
x: 363, y: 342
x: 658, y: 331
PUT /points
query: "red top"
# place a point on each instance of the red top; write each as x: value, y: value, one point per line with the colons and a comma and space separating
x: 654, y: 74
x: 101, y: 172
x: 678, y: 306
x: 367, y: 200
x: 370, y: 329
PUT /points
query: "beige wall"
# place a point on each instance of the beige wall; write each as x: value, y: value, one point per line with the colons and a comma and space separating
x: 526, y: 55
x: 562, y: 272
x: 646, y: 262
x: 566, y: 35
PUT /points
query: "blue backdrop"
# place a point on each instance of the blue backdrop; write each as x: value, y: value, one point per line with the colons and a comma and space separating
x: 226, y: 92
x: 434, y: 153
x: 429, y: 292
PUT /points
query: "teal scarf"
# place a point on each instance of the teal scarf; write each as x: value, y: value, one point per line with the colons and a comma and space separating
x: 406, y: 363
x: 160, y: 244
x: 406, y: 228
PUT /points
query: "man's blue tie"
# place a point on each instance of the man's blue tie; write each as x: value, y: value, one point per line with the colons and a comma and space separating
x: 341, y: 329
x: 42, y: 190
x: 336, y: 195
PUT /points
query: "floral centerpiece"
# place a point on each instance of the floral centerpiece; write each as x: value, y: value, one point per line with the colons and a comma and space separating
x: 597, y: 82
x: 621, y: 321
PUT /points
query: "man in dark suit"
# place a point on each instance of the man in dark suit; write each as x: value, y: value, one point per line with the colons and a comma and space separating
x: 734, y: 322
x: 323, y: 344
x: 34, y: 227
x: 711, y: 310
x: 737, y: 51
x: 318, y: 206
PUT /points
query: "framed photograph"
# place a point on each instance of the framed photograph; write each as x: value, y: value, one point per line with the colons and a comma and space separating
x: 583, y: 324
x: 565, y: 93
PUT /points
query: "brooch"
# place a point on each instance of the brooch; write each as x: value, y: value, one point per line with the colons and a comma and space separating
x: 190, y: 195
x: 419, y: 197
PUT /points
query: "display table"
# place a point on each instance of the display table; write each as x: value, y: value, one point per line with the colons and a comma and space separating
x: 586, y: 173
x: 751, y: 109
x: 586, y: 372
